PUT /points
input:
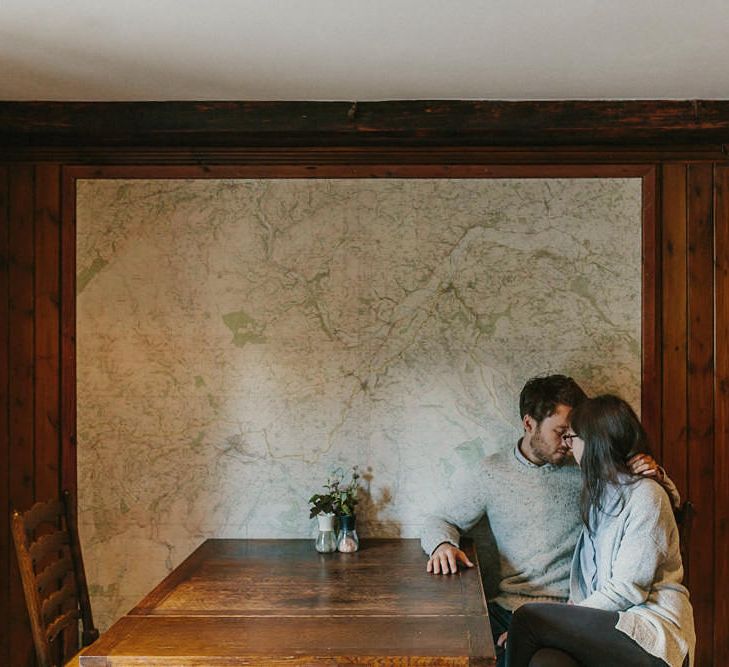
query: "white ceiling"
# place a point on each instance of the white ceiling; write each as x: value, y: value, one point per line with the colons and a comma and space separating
x: 365, y: 50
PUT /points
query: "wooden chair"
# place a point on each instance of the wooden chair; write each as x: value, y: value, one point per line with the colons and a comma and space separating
x: 54, y: 583
x: 684, y: 517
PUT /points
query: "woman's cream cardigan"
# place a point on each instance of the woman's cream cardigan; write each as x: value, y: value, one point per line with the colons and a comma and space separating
x: 639, y: 570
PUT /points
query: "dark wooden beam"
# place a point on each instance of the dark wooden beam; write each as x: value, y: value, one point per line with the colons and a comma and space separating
x: 401, y: 123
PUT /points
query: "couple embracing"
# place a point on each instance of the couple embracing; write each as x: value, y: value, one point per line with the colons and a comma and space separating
x: 582, y: 517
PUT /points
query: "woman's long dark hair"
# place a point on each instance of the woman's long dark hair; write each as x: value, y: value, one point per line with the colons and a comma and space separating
x: 612, y: 434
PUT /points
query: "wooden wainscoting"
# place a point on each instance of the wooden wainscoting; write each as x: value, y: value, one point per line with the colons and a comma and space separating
x: 679, y: 147
x: 30, y: 369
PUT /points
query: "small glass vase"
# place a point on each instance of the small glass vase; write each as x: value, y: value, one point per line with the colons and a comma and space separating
x: 326, y: 540
x: 347, y: 542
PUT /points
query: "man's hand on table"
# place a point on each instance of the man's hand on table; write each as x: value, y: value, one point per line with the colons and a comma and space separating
x: 445, y: 559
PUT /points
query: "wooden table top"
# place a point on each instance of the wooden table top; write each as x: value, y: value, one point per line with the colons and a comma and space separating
x: 279, y: 602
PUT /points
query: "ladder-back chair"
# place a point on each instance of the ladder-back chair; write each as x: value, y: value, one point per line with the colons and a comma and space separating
x: 684, y: 519
x: 54, y: 582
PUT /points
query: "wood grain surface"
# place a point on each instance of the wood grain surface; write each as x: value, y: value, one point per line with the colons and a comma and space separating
x: 280, y: 602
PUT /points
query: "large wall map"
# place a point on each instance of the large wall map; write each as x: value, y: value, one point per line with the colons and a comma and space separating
x: 240, y: 339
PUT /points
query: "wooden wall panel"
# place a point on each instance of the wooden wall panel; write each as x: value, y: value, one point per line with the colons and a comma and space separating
x: 29, y: 370
x: 47, y: 339
x: 5, y: 549
x: 721, y: 416
x: 21, y: 351
x: 700, y: 565
x: 688, y: 398
x: 672, y: 451
x: 68, y: 333
x: 650, y: 403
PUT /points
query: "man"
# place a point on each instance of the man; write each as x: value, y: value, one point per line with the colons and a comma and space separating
x: 530, y: 495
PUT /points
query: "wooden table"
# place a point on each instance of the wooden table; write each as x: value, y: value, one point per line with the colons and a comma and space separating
x: 279, y: 602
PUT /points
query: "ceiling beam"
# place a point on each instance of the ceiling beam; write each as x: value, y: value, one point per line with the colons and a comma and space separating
x: 402, y: 123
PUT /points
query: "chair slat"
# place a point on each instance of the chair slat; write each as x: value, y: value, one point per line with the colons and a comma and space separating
x: 48, y: 544
x: 27, y: 576
x: 48, y: 512
x: 53, y: 604
x: 50, y: 576
x: 66, y: 619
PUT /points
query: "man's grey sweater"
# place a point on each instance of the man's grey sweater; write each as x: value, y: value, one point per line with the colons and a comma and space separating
x: 533, y: 512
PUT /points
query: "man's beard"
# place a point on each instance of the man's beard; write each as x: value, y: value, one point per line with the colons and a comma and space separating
x: 539, y: 447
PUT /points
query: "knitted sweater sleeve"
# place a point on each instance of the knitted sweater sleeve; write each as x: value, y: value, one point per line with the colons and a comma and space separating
x: 640, y: 551
x: 671, y: 489
x: 463, y: 510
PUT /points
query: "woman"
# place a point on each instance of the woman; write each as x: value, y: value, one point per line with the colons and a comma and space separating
x: 627, y: 604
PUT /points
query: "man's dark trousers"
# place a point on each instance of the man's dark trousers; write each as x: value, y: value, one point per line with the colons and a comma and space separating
x: 500, y: 620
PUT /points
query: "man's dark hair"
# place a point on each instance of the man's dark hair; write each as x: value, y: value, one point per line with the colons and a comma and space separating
x: 541, y: 395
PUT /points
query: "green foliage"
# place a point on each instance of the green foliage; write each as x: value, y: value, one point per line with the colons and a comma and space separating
x: 340, y: 499
x: 321, y: 503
